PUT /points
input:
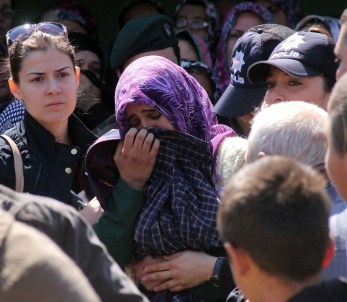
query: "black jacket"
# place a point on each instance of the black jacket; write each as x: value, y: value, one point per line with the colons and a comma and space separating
x: 50, y: 168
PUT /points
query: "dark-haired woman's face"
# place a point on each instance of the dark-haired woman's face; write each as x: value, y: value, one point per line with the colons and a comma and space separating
x: 47, y: 85
x: 244, y: 21
x: 277, y: 13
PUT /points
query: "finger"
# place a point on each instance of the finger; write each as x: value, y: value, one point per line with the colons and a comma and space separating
x: 117, y: 154
x: 177, y: 288
x: 148, y: 142
x: 162, y: 266
x: 129, y: 139
x: 172, y: 256
x: 166, y: 285
x: 154, y: 150
x: 157, y: 276
x: 139, y: 140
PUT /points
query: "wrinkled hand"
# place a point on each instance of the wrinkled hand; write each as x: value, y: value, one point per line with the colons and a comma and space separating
x: 180, y: 271
x: 135, y: 157
x: 138, y: 270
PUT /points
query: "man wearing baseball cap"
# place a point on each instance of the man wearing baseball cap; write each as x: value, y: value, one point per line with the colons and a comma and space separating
x: 302, y: 67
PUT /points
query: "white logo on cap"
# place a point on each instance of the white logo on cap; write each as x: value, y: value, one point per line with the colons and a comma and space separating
x: 292, y: 42
x: 238, y: 61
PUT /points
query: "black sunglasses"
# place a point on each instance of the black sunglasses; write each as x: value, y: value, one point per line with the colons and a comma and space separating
x: 22, y: 32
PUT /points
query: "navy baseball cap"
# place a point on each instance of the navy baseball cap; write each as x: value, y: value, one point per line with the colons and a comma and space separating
x: 303, y: 54
x: 242, y: 96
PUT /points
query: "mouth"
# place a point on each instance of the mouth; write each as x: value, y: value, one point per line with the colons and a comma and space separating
x: 55, y: 105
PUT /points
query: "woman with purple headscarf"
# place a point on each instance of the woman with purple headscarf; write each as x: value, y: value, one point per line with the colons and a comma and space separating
x: 160, y: 201
x: 237, y: 21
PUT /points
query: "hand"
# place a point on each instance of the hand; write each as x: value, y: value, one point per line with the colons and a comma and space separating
x: 180, y: 271
x: 135, y: 157
x: 92, y: 211
x: 138, y: 270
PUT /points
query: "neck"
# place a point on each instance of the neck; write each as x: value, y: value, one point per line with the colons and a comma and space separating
x: 275, y: 289
x: 60, y: 132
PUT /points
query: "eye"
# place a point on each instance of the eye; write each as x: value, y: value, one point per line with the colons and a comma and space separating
x: 133, y: 122
x: 273, y: 8
x: 234, y: 35
x: 37, y: 79
x: 156, y: 116
x: 294, y: 83
x: 63, y: 74
x: 270, y: 85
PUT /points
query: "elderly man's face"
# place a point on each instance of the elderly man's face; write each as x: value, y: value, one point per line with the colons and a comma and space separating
x: 341, y: 52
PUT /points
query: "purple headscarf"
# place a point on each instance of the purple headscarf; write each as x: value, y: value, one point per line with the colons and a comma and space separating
x: 213, y: 28
x: 222, y: 71
x: 165, y: 86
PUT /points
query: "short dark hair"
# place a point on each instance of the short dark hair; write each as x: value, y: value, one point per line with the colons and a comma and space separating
x: 36, y: 41
x: 277, y: 210
x: 337, y: 116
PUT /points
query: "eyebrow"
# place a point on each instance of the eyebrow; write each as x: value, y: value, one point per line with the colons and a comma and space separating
x: 41, y: 73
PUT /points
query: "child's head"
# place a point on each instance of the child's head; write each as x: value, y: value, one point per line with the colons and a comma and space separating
x: 276, y: 211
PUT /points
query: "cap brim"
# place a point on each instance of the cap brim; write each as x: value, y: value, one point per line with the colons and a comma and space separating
x: 237, y: 101
x: 258, y: 72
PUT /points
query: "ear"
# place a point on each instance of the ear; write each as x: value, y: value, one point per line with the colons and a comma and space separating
x: 247, y: 117
x: 261, y: 154
x: 329, y: 254
x: 78, y: 73
x: 238, y: 259
x: 15, y: 90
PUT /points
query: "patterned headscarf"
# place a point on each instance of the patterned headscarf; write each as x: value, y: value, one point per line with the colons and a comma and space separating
x: 221, y: 71
x: 213, y: 28
x: 165, y: 86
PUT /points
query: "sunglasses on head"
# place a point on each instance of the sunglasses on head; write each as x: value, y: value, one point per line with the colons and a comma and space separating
x: 193, y: 23
x: 22, y: 32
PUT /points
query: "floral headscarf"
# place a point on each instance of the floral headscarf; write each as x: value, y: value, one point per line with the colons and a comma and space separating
x: 221, y: 71
x: 165, y: 86
x: 213, y: 28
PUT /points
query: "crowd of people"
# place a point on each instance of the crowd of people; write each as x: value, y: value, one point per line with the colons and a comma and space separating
x: 204, y: 160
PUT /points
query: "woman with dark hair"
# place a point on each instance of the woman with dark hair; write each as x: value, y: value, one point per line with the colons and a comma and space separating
x: 51, y: 140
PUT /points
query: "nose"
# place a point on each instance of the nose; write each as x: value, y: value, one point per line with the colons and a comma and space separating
x: 53, y: 86
x: 274, y: 95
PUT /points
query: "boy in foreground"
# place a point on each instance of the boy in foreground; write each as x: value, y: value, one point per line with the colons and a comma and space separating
x: 274, y: 219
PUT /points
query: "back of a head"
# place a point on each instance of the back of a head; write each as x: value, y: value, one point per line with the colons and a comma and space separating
x: 294, y: 129
x: 337, y: 130
x: 277, y: 210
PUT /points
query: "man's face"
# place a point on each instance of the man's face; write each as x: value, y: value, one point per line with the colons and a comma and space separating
x: 341, y: 51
